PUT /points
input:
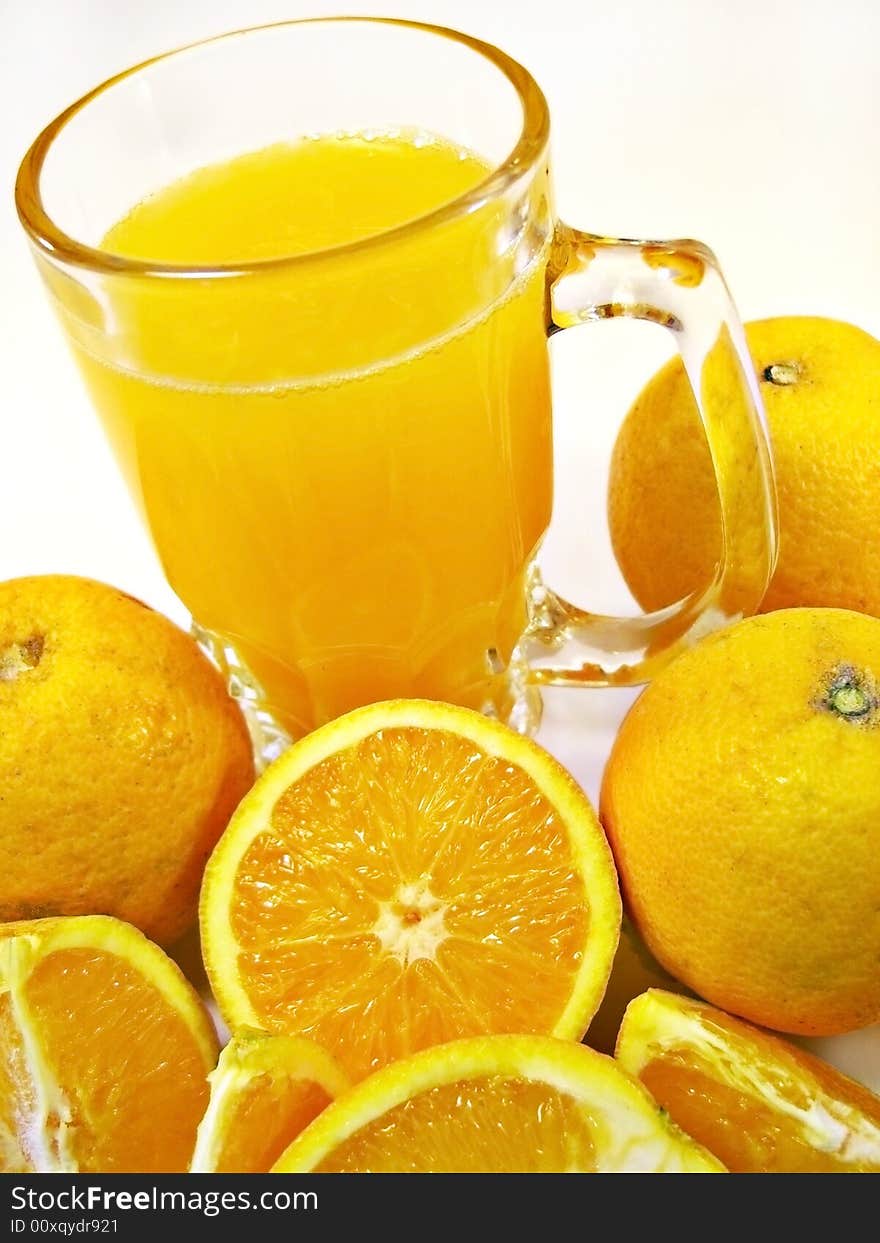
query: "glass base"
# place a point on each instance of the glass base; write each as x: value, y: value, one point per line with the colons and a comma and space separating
x: 268, y: 739
x: 507, y: 695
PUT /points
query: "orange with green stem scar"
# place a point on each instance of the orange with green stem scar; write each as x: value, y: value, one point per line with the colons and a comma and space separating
x: 742, y: 802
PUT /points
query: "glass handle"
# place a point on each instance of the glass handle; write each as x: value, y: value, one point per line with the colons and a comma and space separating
x: 679, y: 286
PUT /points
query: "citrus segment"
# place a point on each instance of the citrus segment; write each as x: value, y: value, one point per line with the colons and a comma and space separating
x: 759, y: 1103
x: 264, y: 1091
x: 497, y: 1104
x: 410, y: 874
x: 105, y: 1050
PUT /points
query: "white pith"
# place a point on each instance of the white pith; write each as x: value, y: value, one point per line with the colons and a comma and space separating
x: 828, y: 1124
x: 46, y: 1131
x: 412, y: 925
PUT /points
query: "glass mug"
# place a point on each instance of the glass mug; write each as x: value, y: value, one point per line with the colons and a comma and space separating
x: 344, y: 456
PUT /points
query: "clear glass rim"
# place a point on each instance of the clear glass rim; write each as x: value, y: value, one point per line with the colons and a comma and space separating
x: 53, y: 241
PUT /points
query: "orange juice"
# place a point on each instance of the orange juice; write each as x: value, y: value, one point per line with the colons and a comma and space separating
x: 343, y: 455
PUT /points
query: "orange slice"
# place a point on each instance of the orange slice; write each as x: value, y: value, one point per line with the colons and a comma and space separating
x: 759, y: 1103
x: 265, y: 1090
x: 104, y: 1050
x: 409, y: 874
x: 497, y: 1104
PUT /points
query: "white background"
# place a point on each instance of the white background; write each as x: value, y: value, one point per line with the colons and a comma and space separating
x: 752, y: 125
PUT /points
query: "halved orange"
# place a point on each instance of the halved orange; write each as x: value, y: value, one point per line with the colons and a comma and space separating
x: 497, y: 1104
x: 104, y: 1050
x: 406, y: 875
x: 759, y: 1103
x: 264, y: 1091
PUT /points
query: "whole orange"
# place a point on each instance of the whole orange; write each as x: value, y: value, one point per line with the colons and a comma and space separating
x: 121, y: 757
x: 820, y: 380
x: 742, y: 803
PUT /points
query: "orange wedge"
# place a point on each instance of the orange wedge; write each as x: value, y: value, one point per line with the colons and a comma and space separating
x: 265, y: 1090
x: 760, y: 1104
x: 410, y: 874
x: 104, y: 1050
x: 497, y: 1104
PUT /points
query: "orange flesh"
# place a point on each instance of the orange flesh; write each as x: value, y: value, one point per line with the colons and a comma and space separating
x: 744, y: 1131
x: 491, y: 1125
x: 268, y: 1116
x: 741, y: 1131
x: 101, y: 1026
x: 453, y: 908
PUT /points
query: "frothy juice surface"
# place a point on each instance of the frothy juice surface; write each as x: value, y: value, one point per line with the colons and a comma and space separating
x: 344, y: 461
